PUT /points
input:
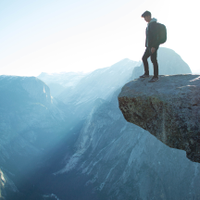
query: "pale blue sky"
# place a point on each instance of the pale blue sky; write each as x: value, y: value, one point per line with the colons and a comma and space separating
x: 82, y: 35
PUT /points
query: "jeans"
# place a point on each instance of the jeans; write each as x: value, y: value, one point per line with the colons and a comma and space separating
x: 146, y: 55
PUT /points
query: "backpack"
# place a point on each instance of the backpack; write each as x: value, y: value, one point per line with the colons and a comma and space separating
x: 162, y: 33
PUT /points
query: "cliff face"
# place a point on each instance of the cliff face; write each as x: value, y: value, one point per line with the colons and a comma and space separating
x: 15, y: 90
x: 169, y: 109
x: 31, y: 124
x: 118, y: 159
x: 6, y: 184
x: 123, y: 161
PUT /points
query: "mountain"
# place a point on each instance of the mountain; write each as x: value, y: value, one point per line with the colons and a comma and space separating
x: 79, y: 91
x: 58, y: 82
x: 86, y: 149
x: 123, y: 161
x: 37, y: 132
x: 32, y: 124
x: 113, y: 159
x: 101, y: 83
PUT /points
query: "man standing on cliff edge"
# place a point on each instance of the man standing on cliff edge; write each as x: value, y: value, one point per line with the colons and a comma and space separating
x: 151, y: 45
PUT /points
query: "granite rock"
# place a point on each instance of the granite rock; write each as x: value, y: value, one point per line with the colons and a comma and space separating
x: 169, y: 109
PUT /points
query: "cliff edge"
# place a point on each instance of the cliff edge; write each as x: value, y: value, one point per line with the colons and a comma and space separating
x: 169, y: 109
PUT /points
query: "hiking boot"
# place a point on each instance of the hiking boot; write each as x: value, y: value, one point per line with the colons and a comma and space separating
x: 144, y: 76
x: 154, y: 79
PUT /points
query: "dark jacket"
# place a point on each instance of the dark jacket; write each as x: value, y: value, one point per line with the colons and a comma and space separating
x: 151, y: 34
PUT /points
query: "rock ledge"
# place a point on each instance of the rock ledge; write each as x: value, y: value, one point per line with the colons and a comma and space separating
x: 169, y: 109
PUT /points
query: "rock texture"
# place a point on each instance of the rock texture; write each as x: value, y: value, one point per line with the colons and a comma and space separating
x: 6, y: 184
x: 169, y: 109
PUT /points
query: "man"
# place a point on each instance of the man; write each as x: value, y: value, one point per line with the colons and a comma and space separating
x: 152, y: 46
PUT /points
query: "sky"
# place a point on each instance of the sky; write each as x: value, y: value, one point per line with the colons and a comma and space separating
x: 82, y: 35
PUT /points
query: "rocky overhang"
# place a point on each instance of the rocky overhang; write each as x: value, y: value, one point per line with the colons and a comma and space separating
x: 169, y: 109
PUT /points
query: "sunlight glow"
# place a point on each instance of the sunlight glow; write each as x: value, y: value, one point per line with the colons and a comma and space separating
x: 48, y: 40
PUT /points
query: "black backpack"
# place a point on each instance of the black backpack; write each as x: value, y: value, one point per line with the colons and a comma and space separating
x: 162, y: 33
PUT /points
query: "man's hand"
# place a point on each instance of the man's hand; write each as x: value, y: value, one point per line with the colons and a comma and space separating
x: 153, y: 50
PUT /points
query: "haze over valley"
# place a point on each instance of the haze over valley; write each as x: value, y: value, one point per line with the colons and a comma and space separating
x: 63, y: 137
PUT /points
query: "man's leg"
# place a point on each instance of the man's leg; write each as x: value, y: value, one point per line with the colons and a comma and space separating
x: 155, y: 63
x: 145, y: 62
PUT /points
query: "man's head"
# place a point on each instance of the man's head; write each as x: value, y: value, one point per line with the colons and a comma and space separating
x: 147, y: 16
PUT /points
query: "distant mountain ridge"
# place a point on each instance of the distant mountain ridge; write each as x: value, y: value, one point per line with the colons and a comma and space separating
x: 77, y: 146
x: 115, y: 155
x: 75, y: 83
x: 101, y: 83
x: 58, y: 82
x: 32, y: 123
x: 14, y: 87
